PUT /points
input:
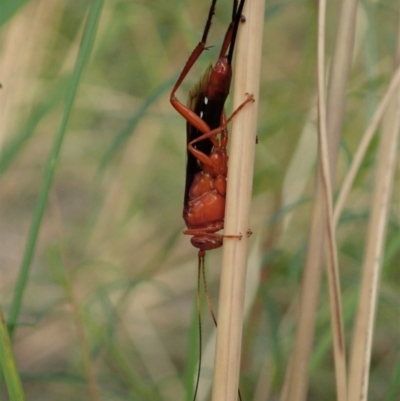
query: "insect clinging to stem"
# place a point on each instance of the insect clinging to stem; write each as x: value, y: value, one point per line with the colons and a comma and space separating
x: 206, y: 171
x: 207, y: 138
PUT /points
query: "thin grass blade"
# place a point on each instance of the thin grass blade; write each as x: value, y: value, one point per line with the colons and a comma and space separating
x: 82, y: 59
x: 8, y: 365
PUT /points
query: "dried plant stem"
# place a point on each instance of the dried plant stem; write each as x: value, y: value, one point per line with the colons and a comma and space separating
x: 362, y: 148
x: 240, y: 178
x: 296, y: 380
x: 362, y: 336
x: 332, y: 259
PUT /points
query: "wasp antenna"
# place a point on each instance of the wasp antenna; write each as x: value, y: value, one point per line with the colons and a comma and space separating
x: 199, y: 269
x: 210, y: 308
x: 234, y: 9
x: 237, y: 19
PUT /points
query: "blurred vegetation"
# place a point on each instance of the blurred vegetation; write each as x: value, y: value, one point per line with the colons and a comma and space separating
x: 108, y: 311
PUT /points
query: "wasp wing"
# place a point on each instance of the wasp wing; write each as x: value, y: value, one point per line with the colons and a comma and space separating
x: 196, y: 103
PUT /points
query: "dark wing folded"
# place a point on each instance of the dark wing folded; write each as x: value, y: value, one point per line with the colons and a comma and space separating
x: 196, y: 103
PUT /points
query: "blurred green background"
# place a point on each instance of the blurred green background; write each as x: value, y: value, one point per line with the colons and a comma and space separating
x: 111, y: 290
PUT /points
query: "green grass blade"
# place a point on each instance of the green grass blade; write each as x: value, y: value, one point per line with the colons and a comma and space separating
x: 83, y: 57
x: 8, y: 8
x: 8, y: 365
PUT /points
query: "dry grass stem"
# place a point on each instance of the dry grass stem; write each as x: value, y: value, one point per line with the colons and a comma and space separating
x: 252, y: 287
x: 296, y: 380
x: 362, y: 148
x: 332, y: 257
x: 365, y: 319
x: 240, y: 178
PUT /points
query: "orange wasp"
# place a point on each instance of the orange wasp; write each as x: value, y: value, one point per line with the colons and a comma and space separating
x: 207, y: 138
x: 206, y: 170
